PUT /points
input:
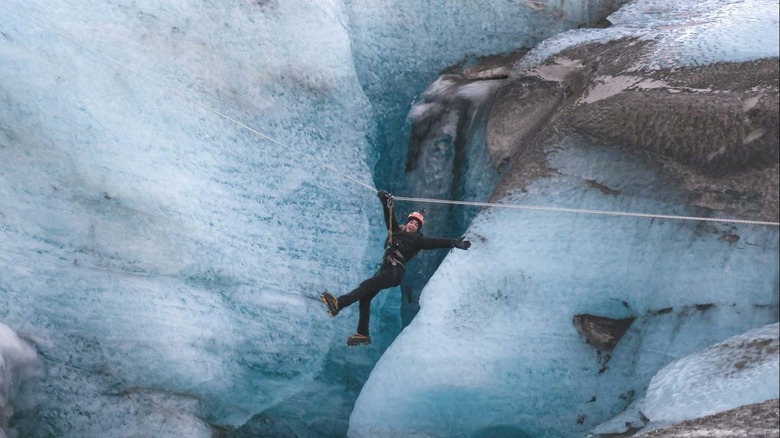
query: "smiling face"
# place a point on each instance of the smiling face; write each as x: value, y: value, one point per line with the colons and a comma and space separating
x: 412, y: 226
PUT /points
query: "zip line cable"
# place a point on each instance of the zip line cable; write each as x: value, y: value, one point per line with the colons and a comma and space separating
x: 586, y: 211
x: 371, y: 188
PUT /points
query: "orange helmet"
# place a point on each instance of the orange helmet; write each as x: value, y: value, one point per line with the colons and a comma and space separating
x: 418, y: 216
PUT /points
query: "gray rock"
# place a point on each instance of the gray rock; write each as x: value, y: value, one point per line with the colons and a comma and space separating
x: 759, y: 420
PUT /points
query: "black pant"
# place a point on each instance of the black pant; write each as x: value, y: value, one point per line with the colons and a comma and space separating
x: 388, y: 276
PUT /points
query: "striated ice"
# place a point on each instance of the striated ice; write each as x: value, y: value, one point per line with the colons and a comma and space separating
x: 739, y: 371
x: 683, y: 33
x: 494, y: 343
x: 148, y: 243
x: 165, y: 261
x: 165, y: 258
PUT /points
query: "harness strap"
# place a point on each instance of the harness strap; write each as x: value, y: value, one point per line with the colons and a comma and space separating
x: 390, y: 205
x: 393, y: 258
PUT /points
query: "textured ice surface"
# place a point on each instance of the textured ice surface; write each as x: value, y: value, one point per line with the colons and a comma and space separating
x: 494, y: 352
x: 401, y: 46
x: 494, y: 344
x: 685, y: 33
x: 396, y: 38
x: 165, y: 259
x: 738, y: 371
x: 161, y: 256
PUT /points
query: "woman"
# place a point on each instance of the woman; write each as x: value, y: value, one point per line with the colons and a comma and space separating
x: 403, y: 243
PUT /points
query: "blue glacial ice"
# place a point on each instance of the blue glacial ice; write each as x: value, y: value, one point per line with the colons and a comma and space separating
x: 159, y: 255
x: 163, y: 256
x: 493, y: 347
x: 159, y: 251
x: 738, y: 371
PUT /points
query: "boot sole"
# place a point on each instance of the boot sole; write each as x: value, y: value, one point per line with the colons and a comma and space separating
x: 357, y: 343
x: 325, y: 301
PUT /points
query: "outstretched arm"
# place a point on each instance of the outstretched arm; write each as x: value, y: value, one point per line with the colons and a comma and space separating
x: 436, y: 243
x: 390, y: 221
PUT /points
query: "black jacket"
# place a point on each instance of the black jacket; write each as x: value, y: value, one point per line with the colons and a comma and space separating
x: 407, y: 245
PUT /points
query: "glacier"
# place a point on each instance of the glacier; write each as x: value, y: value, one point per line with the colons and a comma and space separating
x: 179, y: 182
x: 498, y: 345
x: 494, y: 343
x: 740, y: 371
x: 164, y: 261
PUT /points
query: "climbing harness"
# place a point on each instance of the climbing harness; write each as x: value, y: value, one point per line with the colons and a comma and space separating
x: 369, y: 187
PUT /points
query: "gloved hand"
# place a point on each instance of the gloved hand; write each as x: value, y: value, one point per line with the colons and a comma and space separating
x: 383, y: 195
x: 462, y: 244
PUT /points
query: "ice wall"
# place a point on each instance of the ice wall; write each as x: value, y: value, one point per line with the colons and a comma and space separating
x: 401, y: 46
x: 494, y: 350
x: 165, y: 260
x: 738, y: 371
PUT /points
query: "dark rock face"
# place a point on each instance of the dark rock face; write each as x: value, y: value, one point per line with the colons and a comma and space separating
x: 517, y: 114
x: 601, y: 332
x: 711, y: 130
x: 445, y: 151
x: 760, y: 420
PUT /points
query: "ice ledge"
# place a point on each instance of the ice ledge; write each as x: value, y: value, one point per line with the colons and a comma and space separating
x: 721, y: 388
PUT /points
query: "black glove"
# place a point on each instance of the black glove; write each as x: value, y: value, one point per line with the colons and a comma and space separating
x: 383, y: 195
x: 462, y: 244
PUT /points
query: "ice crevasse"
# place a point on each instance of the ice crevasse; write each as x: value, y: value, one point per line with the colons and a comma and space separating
x: 498, y: 347
x: 164, y: 261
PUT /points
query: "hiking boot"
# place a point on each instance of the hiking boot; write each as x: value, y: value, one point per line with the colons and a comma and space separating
x: 358, y: 339
x: 332, y: 303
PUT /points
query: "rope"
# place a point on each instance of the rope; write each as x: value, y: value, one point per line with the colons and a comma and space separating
x: 372, y: 189
x: 586, y: 211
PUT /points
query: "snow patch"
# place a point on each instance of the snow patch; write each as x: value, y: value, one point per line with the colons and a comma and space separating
x: 738, y: 371
x: 556, y: 71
